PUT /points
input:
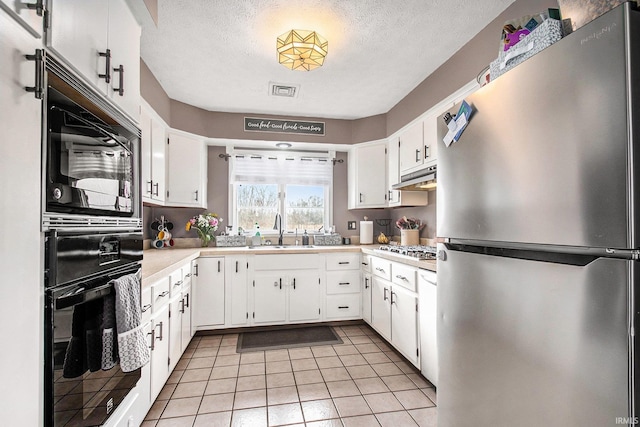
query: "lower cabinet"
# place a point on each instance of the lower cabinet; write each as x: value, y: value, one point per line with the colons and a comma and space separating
x: 159, y: 350
x: 428, y: 318
x: 394, y: 306
x: 281, y: 294
x: 236, y: 290
x: 366, y: 297
x: 343, y: 286
x: 208, y: 309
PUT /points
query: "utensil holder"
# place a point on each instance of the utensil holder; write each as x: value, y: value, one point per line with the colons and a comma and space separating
x: 409, y: 237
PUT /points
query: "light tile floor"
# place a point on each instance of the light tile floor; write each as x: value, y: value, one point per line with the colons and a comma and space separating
x: 363, y: 382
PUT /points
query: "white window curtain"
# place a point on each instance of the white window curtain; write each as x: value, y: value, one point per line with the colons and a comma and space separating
x: 281, y: 168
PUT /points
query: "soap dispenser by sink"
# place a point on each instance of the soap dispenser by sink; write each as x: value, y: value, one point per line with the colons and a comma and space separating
x: 305, y: 239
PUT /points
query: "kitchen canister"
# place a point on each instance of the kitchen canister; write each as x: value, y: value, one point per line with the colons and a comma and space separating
x: 409, y: 237
x: 366, y: 232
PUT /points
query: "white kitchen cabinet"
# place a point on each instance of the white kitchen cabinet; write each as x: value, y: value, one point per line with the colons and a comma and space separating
x: 208, y: 309
x: 343, y: 293
x: 367, y: 176
x: 427, y: 281
x: 394, y: 306
x: 270, y: 297
x: 430, y: 134
x: 412, y: 148
x: 282, y: 294
x: 153, y: 148
x: 396, y: 197
x: 29, y: 14
x: 366, y: 297
x: 381, y: 307
x: 21, y: 245
x: 186, y: 332
x: 186, y: 171
x: 101, y: 40
x: 304, y: 296
x: 236, y: 282
x: 159, y: 349
x: 404, y: 322
x: 175, y: 330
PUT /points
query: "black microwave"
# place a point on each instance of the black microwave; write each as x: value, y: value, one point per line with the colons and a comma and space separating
x: 92, y: 160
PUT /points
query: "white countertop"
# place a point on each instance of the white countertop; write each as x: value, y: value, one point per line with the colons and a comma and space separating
x: 158, y: 263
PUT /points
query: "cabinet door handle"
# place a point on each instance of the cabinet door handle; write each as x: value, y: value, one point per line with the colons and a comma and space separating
x: 120, y: 89
x: 160, y: 336
x: 343, y: 262
x: 196, y: 195
x: 366, y: 283
x: 294, y: 283
x: 187, y: 298
x: 385, y: 294
x: 236, y: 266
x: 380, y: 269
x: 187, y: 275
x: 153, y: 339
x: 364, y: 263
x: 360, y: 197
x: 343, y: 307
x: 178, y: 283
x: 145, y: 308
x: 417, y: 155
x: 275, y: 284
x: 218, y: 266
x: 398, y: 276
x: 196, y: 273
x: 344, y: 283
x: 164, y: 294
x: 157, y: 187
x: 107, y: 69
x: 38, y: 88
x: 281, y: 283
x: 392, y: 294
x: 182, y: 305
x: 390, y: 196
x: 38, y: 6
x: 426, y: 151
x: 150, y: 190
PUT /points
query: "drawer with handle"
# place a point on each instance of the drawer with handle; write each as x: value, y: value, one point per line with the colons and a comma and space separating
x: 404, y: 275
x: 176, y: 282
x: 381, y: 268
x: 343, y: 261
x: 145, y: 304
x: 343, y: 282
x: 343, y: 306
x: 160, y: 291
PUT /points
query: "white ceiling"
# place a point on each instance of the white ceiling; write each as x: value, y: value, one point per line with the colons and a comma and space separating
x: 221, y: 55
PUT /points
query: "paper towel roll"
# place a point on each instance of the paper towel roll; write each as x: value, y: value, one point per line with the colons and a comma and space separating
x: 366, y: 232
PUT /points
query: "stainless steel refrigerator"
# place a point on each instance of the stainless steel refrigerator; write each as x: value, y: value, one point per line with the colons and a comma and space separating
x: 538, y: 204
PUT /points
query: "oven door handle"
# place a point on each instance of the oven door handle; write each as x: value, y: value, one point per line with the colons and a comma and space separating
x: 80, y: 295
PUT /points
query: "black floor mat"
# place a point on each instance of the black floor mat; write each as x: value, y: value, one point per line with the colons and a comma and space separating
x: 287, y: 338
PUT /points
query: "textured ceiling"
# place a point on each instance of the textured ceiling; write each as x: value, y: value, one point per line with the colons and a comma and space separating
x: 221, y: 55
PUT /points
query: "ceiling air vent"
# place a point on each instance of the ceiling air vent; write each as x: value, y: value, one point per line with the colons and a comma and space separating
x: 287, y: 91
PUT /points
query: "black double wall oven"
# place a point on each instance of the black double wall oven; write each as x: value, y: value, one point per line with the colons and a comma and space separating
x: 93, y: 235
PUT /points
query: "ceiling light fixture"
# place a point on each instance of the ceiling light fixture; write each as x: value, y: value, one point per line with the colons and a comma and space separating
x: 302, y: 50
x: 283, y: 145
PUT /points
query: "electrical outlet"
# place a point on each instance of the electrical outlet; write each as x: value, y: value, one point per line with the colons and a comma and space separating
x: 351, y: 225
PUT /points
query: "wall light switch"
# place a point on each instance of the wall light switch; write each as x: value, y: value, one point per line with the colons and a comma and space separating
x: 351, y: 225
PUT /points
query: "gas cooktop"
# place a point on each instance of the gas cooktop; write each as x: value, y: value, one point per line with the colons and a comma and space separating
x: 420, y: 252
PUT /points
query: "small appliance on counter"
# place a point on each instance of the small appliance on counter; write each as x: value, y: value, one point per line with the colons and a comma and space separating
x: 163, y: 238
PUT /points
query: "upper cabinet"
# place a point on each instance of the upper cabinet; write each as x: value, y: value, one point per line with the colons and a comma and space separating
x: 100, y: 40
x: 396, y: 197
x: 153, y: 156
x: 367, y: 176
x: 418, y: 145
x: 187, y: 170
x: 29, y: 14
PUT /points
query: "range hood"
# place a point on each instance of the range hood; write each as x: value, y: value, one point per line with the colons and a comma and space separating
x: 422, y: 180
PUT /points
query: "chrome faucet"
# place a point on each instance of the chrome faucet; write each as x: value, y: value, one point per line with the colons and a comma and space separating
x: 278, y: 226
